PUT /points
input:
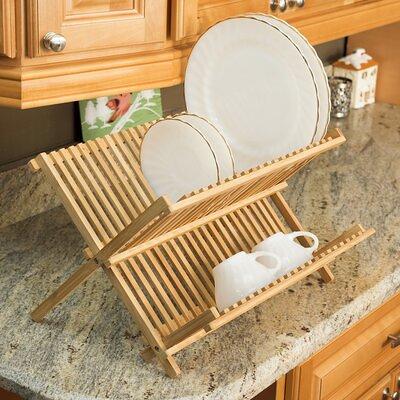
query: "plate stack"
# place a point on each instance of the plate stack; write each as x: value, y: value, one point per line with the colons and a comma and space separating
x: 255, y: 90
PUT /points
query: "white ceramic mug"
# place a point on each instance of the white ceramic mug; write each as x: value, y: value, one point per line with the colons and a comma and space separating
x: 290, y: 253
x: 243, y: 274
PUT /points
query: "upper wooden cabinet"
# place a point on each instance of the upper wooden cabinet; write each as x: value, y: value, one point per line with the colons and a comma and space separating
x: 7, y: 28
x: 113, y: 46
x: 96, y: 24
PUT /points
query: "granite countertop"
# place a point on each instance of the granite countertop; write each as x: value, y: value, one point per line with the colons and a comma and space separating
x: 88, y: 348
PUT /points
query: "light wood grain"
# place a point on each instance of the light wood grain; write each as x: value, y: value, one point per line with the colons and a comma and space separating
x: 7, y: 28
x: 85, y: 27
x: 184, y: 18
x: 82, y: 274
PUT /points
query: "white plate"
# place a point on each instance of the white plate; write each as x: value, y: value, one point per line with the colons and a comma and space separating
x: 314, y: 63
x: 217, y: 141
x: 176, y: 159
x: 251, y: 81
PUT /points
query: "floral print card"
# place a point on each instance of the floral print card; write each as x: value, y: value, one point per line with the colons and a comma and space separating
x: 106, y: 115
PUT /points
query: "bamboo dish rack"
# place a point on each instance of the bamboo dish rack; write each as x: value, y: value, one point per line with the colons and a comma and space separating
x: 159, y: 256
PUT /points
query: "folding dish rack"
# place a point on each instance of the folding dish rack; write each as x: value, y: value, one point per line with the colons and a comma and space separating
x: 159, y: 256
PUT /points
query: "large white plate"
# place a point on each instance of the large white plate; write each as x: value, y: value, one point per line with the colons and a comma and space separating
x: 176, y: 159
x: 314, y: 63
x: 217, y: 141
x: 252, y: 82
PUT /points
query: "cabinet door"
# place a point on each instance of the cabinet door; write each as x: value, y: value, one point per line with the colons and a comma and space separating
x: 96, y: 24
x: 354, y: 362
x: 378, y: 390
x: 7, y: 28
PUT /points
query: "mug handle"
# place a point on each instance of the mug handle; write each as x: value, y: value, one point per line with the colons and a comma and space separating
x: 294, y: 235
x: 257, y: 254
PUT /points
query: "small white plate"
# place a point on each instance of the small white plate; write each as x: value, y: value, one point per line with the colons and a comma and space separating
x: 248, y: 78
x: 176, y: 159
x: 217, y: 141
x: 314, y: 63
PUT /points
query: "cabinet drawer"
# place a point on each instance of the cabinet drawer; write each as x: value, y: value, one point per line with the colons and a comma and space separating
x: 376, y: 392
x: 362, y: 351
x: 355, y: 361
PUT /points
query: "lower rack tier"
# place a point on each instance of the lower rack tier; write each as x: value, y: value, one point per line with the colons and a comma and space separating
x: 172, y: 284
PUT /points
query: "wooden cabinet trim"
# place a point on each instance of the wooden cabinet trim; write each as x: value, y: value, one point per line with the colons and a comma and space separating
x: 375, y: 393
x: 7, y: 28
x: 184, y: 19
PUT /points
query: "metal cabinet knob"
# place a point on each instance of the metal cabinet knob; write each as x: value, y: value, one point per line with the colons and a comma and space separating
x: 298, y: 3
x: 275, y: 4
x: 54, y: 41
x: 394, y: 341
x: 386, y: 395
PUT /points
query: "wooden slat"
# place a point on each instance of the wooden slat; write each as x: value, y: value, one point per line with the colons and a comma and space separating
x: 79, y: 196
x: 97, y: 181
x: 194, y: 325
x: 114, y: 183
x: 136, y: 289
x: 184, y: 314
x: 190, y: 306
x: 137, y: 248
x: 133, y: 187
x: 72, y: 207
x: 104, y: 224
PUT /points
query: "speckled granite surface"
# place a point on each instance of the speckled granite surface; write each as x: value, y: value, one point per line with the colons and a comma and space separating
x: 88, y: 348
x: 23, y: 194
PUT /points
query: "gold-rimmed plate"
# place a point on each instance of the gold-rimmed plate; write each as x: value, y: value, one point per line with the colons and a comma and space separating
x: 176, y: 159
x: 315, y: 65
x: 217, y: 141
x: 251, y: 81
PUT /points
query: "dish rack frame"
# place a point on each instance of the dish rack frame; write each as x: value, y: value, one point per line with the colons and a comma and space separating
x: 158, y: 255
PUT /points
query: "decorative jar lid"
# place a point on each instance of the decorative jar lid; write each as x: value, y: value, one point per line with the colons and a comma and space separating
x: 356, y: 61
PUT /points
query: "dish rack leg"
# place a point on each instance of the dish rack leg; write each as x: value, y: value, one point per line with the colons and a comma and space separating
x: 79, y: 276
x: 294, y: 224
x: 169, y: 364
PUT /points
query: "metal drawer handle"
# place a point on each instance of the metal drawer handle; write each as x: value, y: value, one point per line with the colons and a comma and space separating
x: 386, y: 395
x: 394, y: 341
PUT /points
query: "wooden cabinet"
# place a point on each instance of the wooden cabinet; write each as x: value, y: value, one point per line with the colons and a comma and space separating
x: 377, y: 390
x: 114, y: 46
x: 7, y: 28
x: 359, y: 364
x: 89, y: 25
